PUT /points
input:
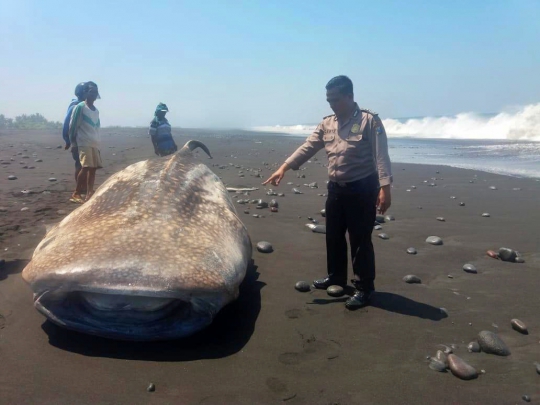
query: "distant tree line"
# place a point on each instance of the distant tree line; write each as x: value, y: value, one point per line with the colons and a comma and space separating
x: 33, y: 121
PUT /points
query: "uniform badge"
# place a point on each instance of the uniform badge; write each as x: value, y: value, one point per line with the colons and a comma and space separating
x: 378, y: 130
x: 355, y: 129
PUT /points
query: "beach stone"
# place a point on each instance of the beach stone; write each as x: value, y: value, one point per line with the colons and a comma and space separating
x: 246, y: 211
x: 377, y: 227
x: 261, y: 204
x: 437, y: 365
x: 526, y: 398
x: 519, y: 326
x: 380, y: 219
x: 323, y: 213
x: 411, y: 251
x: 52, y: 179
x: 313, y: 185
x: 38, y: 160
x: 442, y: 357
x: 25, y: 209
x: 469, y: 268
x: 389, y: 218
x: 473, y: 347
x: 151, y: 387
x: 383, y: 236
x: 507, y: 255
x: 460, y: 368
x: 491, y: 343
x: 434, y: 240
x: 274, y: 209
x: 264, y: 247
x: 335, y: 291
x: 493, y: 254
x: 256, y: 216
x: 462, y: 204
x: 486, y: 215
x: 453, y: 197
x: 519, y: 259
x: 296, y: 191
x: 12, y: 177
x: 302, y: 286
x: 412, y: 279
x: 3, y: 209
x: 537, y: 365
x: 493, y: 188
x: 281, y: 195
x: 441, y: 219
x: 273, y: 203
x: 61, y: 212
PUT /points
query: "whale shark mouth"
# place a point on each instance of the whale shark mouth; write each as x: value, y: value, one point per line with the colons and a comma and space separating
x: 124, y: 316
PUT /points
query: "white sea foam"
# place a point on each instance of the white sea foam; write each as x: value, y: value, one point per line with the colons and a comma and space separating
x: 520, y: 123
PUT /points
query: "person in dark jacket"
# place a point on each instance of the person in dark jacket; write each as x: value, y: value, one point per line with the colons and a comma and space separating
x: 79, y: 93
x: 160, y: 132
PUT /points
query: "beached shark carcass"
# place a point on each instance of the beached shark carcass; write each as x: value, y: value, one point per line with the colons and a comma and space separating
x: 154, y: 254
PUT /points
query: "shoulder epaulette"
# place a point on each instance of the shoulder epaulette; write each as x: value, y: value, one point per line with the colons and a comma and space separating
x: 368, y: 111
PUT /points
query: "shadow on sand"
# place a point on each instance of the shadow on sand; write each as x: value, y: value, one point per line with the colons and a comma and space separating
x: 396, y: 303
x: 12, y: 267
x: 229, y: 332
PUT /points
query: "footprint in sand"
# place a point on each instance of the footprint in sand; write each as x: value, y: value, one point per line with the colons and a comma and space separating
x: 296, y: 313
x: 313, y: 349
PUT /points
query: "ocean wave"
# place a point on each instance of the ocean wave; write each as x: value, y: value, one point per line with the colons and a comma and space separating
x: 521, y: 123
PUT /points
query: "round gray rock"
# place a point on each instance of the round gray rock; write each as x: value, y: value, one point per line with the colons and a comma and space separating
x: 411, y: 251
x: 434, y: 240
x: 273, y: 203
x: 377, y: 227
x: 412, y: 279
x: 486, y: 215
x: 462, y: 204
x: 491, y: 343
x: 473, y: 347
x: 493, y: 188
x: 335, y: 291
x: 52, y: 179
x: 507, y: 255
x: 519, y: 259
x: 379, y: 219
x: 265, y: 247
x: 12, y: 177
x: 441, y: 219
x: 323, y: 212
x: 469, y: 268
x: 302, y: 286
x: 390, y: 218
x: 383, y: 236
x: 437, y: 365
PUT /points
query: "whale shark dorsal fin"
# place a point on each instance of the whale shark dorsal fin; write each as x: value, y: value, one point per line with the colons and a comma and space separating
x: 191, y: 145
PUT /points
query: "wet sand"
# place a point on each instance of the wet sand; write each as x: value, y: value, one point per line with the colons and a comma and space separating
x: 274, y: 344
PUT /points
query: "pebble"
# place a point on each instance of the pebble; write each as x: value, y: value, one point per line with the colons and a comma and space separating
x: 486, y: 215
x: 507, y: 255
x: 302, y: 286
x: 537, y: 365
x: 261, y: 204
x: 519, y: 326
x: 296, y: 191
x: 61, y: 212
x: 25, y: 209
x: 151, y: 387
x: 441, y: 219
x: 335, y: 291
x: 377, y: 227
x: 493, y: 188
x: 281, y: 195
x: 462, y: 204
x: 434, y: 240
x: 473, y: 347
x: 12, y: 178
x: 442, y: 357
x: 52, y: 179
x: 390, y: 218
x: 256, y: 216
x: 38, y: 160
x: 273, y: 203
x: 437, y: 365
x: 246, y: 211
x: 469, y: 268
x: 460, y: 368
x: 526, y: 398
x: 413, y: 187
x: 412, y: 279
x: 323, y: 213
x: 313, y: 185
x: 3, y: 209
x: 383, y: 236
x: 274, y: 209
x: 492, y: 254
x: 491, y: 343
x: 453, y: 197
x: 264, y: 247
x: 519, y: 259
x: 380, y: 219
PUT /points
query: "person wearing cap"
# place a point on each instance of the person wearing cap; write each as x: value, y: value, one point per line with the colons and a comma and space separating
x: 79, y: 93
x: 160, y: 132
x: 84, y: 132
x: 360, y: 177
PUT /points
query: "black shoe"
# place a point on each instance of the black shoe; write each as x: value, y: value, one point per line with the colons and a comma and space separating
x: 324, y: 283
x: 360, y: 299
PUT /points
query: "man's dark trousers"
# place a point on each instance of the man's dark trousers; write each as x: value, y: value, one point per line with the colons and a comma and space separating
x: 351, y: 207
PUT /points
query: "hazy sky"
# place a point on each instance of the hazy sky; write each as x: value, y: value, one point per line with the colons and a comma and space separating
x: 250, y: 63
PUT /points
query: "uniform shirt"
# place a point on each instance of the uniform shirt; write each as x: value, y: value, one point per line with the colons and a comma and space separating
x: 160, y: 133
x: 67, y: 120
x: 84, y: 126
x: 356, y: 148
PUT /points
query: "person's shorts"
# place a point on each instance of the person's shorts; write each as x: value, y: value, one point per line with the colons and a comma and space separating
x: 75, y: 154
x: 90, y: 157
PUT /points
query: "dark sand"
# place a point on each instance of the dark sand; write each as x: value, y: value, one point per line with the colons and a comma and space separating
x: 274, y: 344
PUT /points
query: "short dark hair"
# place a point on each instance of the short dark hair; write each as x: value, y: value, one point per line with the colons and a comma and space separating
x: 342, y: 83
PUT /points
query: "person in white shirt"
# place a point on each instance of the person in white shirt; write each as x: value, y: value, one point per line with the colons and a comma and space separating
x: 84, y: 132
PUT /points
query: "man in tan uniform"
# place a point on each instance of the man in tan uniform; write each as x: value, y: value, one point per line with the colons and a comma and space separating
x: 359, y: 183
